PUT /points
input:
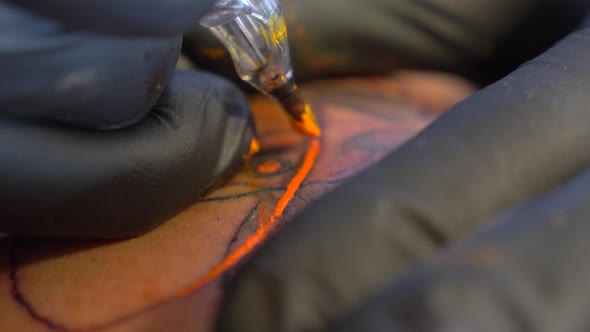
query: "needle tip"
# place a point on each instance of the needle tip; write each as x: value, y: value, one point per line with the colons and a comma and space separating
x: 307, y: 125
x: 301, y: 116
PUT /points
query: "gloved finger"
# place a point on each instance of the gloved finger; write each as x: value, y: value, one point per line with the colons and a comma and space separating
x: 348, y: 37
x: 515, y: 139
x: 65, y: 182
x: 527, y: 272
x: 49, y: 73
x: 122, y: 17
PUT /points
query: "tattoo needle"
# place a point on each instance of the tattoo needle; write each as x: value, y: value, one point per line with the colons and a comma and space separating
x: 255, y: 34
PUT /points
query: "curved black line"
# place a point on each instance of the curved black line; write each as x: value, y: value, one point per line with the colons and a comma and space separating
x: 240, y: 195
x: 18, y: 296
x: 269, y: 189
x: 242, y: 224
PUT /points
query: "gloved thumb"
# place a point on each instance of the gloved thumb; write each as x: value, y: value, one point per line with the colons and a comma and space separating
x: 66, y: 182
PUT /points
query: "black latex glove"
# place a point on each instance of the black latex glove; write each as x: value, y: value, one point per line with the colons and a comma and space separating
x: 515, y: 157
x: 100, y: 138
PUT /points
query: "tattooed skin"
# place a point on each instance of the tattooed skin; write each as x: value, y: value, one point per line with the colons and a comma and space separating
x: 130, y: 285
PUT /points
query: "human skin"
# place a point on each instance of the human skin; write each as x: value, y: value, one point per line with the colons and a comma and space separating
x: 130, y: 285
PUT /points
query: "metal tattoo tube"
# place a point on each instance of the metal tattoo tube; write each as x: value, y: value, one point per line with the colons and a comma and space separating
x: 255, y: 34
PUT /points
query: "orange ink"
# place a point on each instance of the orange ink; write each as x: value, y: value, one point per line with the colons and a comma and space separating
x: 254, y: 148
x: 264, y: 230
x: 268, y: 167
x: 307, y: 125
x: 308, y: 162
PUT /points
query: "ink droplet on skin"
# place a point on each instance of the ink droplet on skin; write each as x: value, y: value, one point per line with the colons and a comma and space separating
x: 254, y: 146
x: 268, y: 167
x: 254, y: 149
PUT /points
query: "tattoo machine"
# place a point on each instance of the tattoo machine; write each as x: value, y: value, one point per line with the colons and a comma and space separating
x: 255, y: 35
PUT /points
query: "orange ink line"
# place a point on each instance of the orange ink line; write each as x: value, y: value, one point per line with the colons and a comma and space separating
x: 308, y: 162
x: 262, y: 232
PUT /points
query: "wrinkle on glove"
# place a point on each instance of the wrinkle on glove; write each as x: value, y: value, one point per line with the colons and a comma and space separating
x: 67, y: 182
x: 79, y: 78
x: 528, y: 271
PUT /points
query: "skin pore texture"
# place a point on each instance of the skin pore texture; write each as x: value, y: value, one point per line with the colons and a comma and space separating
x: 144, y: 283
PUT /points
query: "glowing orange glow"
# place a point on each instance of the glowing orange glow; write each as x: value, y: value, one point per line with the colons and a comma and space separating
x: 254, y: 149
x: 268, y: 167
x: 254, y: 146
x: 264, y: 230
x: 307, y: 126
x: 308, y: 162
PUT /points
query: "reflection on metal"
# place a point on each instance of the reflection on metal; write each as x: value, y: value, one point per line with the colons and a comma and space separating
x: 255, y: 35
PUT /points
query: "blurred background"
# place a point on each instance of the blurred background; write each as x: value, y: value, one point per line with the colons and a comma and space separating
x: 481, y: 40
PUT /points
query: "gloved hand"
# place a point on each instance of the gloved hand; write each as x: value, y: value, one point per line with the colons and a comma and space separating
x: 369, y: 256
x: 96, y: 142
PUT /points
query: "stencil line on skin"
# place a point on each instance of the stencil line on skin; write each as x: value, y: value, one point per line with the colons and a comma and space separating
x: 19, y: 297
